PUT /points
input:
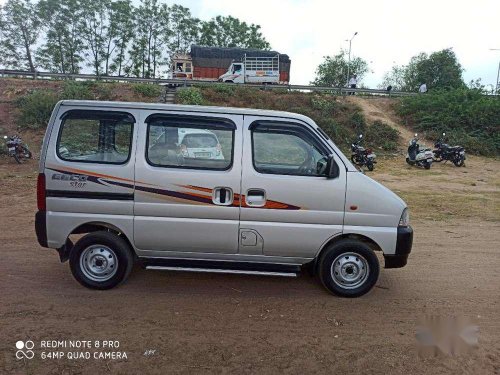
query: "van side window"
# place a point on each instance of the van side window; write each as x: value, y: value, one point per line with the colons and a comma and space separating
x: 95, y: 137
x: 287, y: 149
x: 190, y: 142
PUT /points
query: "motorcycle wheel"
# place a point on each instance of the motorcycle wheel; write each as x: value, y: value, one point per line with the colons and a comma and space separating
x: 353, y: 160
x: 27, y: 153
x: 427, y: 165
x: 369, y: 165
x: 408, y: 161
x: 18, y: 158
x: 459, y: 161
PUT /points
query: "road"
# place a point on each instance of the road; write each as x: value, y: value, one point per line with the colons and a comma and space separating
x: 204, y: 323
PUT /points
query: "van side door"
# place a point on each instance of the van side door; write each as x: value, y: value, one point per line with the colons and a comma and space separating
x: 188, y: 174
x: 288, y: 204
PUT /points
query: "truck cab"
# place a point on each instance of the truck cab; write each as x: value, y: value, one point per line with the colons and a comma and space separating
x: 253, y: 69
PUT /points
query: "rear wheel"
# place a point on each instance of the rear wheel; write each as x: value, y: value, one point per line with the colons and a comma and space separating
x: 101, y: 260
x: 349, y: 268
x: 427, y: 165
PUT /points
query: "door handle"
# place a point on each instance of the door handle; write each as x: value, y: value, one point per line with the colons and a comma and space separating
x: 255, y: 198
x: 222, y: 196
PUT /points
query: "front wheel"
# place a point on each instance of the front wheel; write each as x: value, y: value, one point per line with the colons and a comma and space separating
x: 459, y: 161
x: 101, y: 260
x: 349, y: 268
x: 427, y: 165
x: 370, y: 165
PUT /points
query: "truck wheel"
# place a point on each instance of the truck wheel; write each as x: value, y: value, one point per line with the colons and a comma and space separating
x: 101, y: 260
x: 349, y: 268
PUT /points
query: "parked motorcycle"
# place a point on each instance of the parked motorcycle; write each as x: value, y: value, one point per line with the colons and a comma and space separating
x: 362, y: 156
x: 443, y: 151
x: 417, y: 156
x: 17, y: 148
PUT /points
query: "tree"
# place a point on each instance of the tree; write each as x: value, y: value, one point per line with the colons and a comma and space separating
x: 20, y: 26
x: 93, y: 26
x: 62, y: 50
x: 231, y: 32
x: 394, y: 78
x: 439, y: 70
x: 151, y: 33
x: 185, y: 29
x: 333, y: 70
x: 118, y: 35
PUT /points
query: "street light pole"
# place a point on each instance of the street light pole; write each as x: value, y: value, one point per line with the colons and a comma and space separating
x: 497, y: 91
x: 349, y: 63
x: 497, y: 87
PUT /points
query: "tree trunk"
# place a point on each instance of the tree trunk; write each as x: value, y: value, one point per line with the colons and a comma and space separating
x: 28, y: 52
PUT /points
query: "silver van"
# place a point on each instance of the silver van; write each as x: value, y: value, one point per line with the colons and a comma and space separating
x: 275, y: 198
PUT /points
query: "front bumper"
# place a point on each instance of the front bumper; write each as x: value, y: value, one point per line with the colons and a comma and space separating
x: 403, y: 248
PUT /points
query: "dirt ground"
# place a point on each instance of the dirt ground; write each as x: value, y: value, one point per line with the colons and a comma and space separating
x: 204, y: 323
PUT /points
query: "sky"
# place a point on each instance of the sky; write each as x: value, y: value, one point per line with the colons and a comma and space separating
x: 389, y: 31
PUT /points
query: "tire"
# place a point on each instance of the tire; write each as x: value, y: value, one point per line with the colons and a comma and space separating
x: 370, y: 166
x: 18, y: 158
x: 348, y: 255
x: 87, y: 256
x: 27, y: 153
x: 408, y: 161
x: 427, y: 165
x: 459, y: 161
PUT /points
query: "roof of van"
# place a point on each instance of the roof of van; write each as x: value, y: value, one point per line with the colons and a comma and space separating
x: 187, y: 108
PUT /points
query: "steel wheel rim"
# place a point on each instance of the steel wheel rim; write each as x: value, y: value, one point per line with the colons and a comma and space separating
x: 349, y: 270
x: 98, y: 263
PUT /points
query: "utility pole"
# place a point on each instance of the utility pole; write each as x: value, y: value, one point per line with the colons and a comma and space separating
x: 349, y: 63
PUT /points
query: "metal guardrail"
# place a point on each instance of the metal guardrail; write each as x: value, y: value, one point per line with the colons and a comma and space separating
x: 187, y: 83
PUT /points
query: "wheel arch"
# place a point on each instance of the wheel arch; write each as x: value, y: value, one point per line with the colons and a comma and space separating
x: 350, y: 236
x: 96, y: 226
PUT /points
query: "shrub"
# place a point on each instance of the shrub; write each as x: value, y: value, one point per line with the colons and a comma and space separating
x: 382, y: 135
x: 35, y: 109
x: 146, y: 89
x: 191, y: 95
x: 104, y: 90
x: 357, y: 122
x: 226, y: 90
x: 325, y: 104
x: 469, y: 118
x: 77, y: 90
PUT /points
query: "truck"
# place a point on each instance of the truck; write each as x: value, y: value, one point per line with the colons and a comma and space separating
x: 237, y: 65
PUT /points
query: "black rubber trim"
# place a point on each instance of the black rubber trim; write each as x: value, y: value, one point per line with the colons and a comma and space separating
x: 227, y: 265
x: 404, y: 240
x: 41, y: 228
x: 395, y: 261
x: 90, y: 195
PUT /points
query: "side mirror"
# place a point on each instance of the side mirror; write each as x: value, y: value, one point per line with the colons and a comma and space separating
x: 332, y: 169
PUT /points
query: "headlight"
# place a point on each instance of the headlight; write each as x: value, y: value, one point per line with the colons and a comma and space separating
x: 405, y: 218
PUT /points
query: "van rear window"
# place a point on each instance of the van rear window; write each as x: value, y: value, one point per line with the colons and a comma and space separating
x: 95, y: 137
